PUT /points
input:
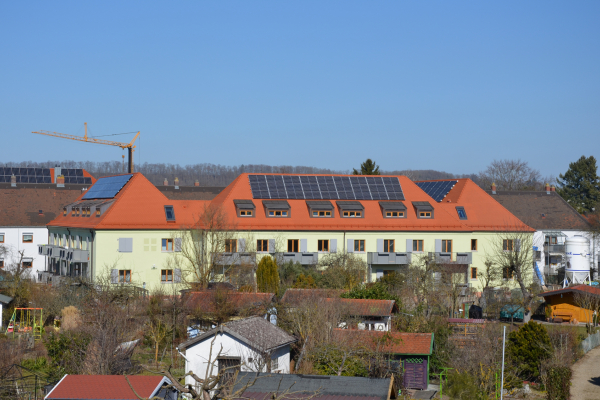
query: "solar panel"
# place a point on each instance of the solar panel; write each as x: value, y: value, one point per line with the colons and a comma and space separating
x: 107, y: 188
x: 323, y: 187
x: 437, y: 190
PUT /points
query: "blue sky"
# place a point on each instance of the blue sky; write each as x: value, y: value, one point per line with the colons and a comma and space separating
x: 414, y: 85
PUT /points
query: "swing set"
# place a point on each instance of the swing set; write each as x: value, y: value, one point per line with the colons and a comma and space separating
x: 27, y: 320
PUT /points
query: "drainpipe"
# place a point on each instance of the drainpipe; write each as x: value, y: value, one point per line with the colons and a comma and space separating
x: 91, y: 250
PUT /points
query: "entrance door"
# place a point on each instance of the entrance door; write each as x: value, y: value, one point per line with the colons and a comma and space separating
x: 415, y: 373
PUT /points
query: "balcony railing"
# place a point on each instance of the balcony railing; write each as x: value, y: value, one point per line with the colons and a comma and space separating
x: 239, y: 258
x: 388, y: 258
x: 302, y: 258
x: 452, y: 258
x: 554, y: 248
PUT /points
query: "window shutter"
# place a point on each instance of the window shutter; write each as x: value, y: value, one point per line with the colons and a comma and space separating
x: 177, y: 276
x: 333, y: 245
x: 438, y: 245
x: 303, y: 245
x: 114, y: 276
x: 125, y: 245
x: 409, y: 245
x: 517, y: 245
x: 177, y: 244
x: 271, y: 245
x: 350, y: 248
x: 241, y: 245
x: 380, y: 245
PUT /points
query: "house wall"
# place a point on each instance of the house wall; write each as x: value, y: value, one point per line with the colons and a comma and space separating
x: 565, y: 302
x: 198, y: 356
x: 13, y: 242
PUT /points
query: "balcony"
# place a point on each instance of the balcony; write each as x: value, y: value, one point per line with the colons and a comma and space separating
x: 452, y: 258
x: 554, y: 248
x: 234, y: 258
x: 302, y: 258
x: 388, y: 258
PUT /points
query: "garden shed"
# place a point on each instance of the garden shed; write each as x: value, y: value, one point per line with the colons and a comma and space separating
x: 573, y: 303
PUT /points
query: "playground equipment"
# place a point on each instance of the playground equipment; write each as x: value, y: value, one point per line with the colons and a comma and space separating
x: 27, y: 320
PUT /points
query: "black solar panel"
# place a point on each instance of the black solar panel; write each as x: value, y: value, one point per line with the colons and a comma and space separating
x: 106, y: 188
x: 311, y: 187
x: 437, y: 190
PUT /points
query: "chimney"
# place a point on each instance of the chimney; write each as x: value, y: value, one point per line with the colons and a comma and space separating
x: 197, y: 183
x: 547, y: 187
x: 166, y: 182
x: 493, y: 188
x: 176, y: 183
x: 13, y: 181
x: 553, y: 188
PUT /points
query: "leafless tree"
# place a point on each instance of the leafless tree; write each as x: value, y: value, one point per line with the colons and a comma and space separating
x: 510, y: 175
x: 342, y: 270
x: 590, y: 305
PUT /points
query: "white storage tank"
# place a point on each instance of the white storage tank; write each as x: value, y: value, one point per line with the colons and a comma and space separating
x: 577, y: 249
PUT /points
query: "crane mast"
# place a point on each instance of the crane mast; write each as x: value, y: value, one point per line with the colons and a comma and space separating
x: 129, y: 146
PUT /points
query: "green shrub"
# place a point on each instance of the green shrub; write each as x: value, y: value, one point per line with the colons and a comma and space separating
x: 558, y: 383
x: 267, y: 275
x: 462, y: 387
x: 528, y: 347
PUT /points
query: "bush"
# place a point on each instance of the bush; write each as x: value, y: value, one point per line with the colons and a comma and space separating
x: 558, y: 382
x: 462, y: 387
x: 267, y: 276
x: 529, y: 346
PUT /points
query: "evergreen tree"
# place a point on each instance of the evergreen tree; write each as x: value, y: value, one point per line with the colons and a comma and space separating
x: 367, y: 168
x: 529, y: 346
x: 267, y: 275
x: 580, y: 185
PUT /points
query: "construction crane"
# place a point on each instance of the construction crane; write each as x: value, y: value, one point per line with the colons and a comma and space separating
x: 129, y: 146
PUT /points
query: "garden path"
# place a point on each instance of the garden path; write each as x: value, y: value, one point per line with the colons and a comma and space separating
x: 585, y: 384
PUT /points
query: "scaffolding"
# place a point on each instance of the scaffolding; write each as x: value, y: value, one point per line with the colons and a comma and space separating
x: 27, y: 321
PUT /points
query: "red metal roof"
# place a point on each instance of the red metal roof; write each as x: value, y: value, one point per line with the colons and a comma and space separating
x: 295, y: 296
x: 579, y: 288
x: 366, y: 307
x: 205, y: 300
x: 105, y: 387
x: 388, y: 342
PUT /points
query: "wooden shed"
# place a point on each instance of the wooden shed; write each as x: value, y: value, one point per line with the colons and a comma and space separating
x: 569, y: 304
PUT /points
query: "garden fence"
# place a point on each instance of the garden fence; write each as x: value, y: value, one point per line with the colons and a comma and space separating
x: 591, y: 342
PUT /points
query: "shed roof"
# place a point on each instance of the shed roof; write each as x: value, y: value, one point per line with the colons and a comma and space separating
x: 296, y: 296
x: 105, y: 387
x: 388, y: 342
x: 595, y: 291
x: 206, y: 300
x: 366, y: 307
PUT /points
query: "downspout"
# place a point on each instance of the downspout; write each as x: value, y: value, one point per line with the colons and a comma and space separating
x: 91, y: 255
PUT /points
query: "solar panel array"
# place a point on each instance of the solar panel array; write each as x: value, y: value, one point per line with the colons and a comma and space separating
x: 325, y: 187
x: 437, y: 190
x: 107, y: 188
x: 42, y: 175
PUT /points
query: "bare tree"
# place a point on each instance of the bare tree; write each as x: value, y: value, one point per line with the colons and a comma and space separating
x: 590, y: 304
x: 510, y: 175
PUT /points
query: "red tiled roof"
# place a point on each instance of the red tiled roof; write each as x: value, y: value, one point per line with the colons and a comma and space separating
x: 366, y: 307
x: 205, y: 300
x: 104, y: 387
x: 388, y: 342
x: 295, y: 296
x: 579, y: 288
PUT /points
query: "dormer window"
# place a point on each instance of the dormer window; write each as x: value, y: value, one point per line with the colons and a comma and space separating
x: 393, y: 209
x: 320, y: 208
x: 169, y: 213
x: 423, y: 209
x: 462, y: 214
x: 276, y: 208
x: 72, y: 211
x: 244, y: 208
x: 351, y: 209
x: 64, y: 211
x: 98, y: 211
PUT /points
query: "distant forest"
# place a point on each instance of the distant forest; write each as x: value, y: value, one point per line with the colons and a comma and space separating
x: 211, y: 174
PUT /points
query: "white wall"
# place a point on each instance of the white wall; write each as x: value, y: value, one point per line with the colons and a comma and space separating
x: 13, y: 241
x: 228, y: 346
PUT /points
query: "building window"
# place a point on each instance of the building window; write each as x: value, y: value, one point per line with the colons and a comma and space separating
x: 262, y: 245
x: 97, y: 211
x: 388, y: 246
x: 553, y: 240
x: 425, y: 214
x: 274, y: 213
x: 446, y: 246
x: 352, y: 214
x: 245, y: 213
x: 1, y: 263
x: 462, y: 214
x: 124, y: 275
x: 321, y: 213
x: 394, y: 214
x: 508, y: 244
x: 274, y: 364
x: 166, y: 275
x: 473, y: 244
x: 359, y: 245
x: 167, y: 245
x: 72, y: 211
x: 323, y: 245
x: 64, y: 211
x: 417, y: 245
x: 230, y: 245
x: 169, y: 213
x: 293, y: 245
x: 507, y: 272
x: 27, y: 264
x: 28, y: 238
x: 473, y: 273
x: 1, y: 237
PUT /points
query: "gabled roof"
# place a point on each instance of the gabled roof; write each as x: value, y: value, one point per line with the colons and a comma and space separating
x: 296, y: 296
x: 105, y: 387
x: 483, y: 212
x: 366, y: 307
x: 542, y: 211
x: 256, y: 332
x: 138, y: 205
x: 318, y: 387
x: 574, y: 289
x: 388, y: 342
x: 242, y: 301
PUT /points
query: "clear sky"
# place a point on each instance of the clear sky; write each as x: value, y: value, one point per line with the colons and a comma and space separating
x: 446, y: 85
